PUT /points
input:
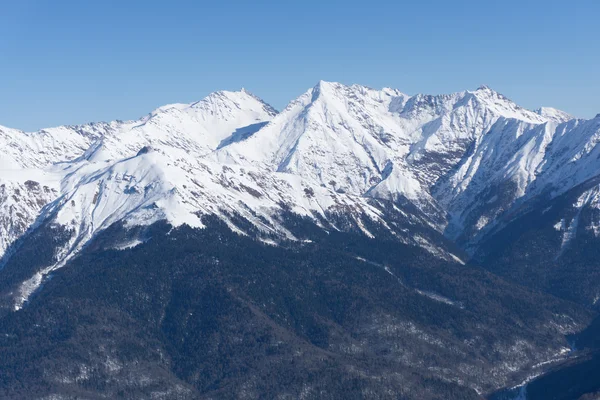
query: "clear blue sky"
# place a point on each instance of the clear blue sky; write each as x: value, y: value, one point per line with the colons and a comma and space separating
x: 74, y: 61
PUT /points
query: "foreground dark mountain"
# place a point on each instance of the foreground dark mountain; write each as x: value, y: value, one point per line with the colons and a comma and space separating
x: 359, y: 244
x: 211, y: 314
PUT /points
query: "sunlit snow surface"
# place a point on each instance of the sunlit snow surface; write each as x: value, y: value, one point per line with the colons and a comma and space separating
x: 458, y: 161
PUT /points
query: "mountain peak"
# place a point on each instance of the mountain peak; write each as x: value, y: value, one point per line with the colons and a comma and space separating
x: 488, y: 91
x: 322, y: 84
x: 219, y: 96
x: 503, y: 106
x: 325, y: 86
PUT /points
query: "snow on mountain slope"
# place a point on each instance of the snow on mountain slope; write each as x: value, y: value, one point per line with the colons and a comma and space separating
x: 23, y: 193
x: 498, y: 170
x: 197, y: 128
x: 347, y: 138
x: 589, y: 199
x: 181, y: 129
x: 39, y: 149
x: 152, y: 186
x: 552, y: 114
x: 572, y: 157
x: 480, y: 156
x: 337, y: 135
x: 356, y: 131
x: 453, y: 162
x: 424, y: 149
x: 460, y: 123
x: 550, y: 161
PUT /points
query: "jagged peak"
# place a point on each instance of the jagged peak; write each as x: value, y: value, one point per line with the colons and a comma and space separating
x: 216, y: 100
x: 503, y: 106
x: 355, y: 92
x: 322, y: 84
x: 234, y: 97
x: 438, y: 104
x: 323, y: 87
x: 224, y: 95
x: 394, y: 92
x: 485, y: 88
x: 487, y: 91
x: 337, y: 86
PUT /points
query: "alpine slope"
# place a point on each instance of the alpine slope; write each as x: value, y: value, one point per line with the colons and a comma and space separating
x: 435, y: 171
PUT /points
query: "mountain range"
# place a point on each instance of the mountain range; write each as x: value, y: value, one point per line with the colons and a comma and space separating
x: 466, y: 204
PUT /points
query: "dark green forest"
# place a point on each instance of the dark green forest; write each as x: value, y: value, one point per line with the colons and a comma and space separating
x: 207, y: 313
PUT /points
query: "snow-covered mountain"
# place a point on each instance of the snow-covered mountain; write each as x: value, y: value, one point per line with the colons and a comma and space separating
x: 364, y: 204
x: 463, y: 159
x: 21, y: 150
x: 188, y: 130
x: 21, y: 200
x: 447, y: 164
